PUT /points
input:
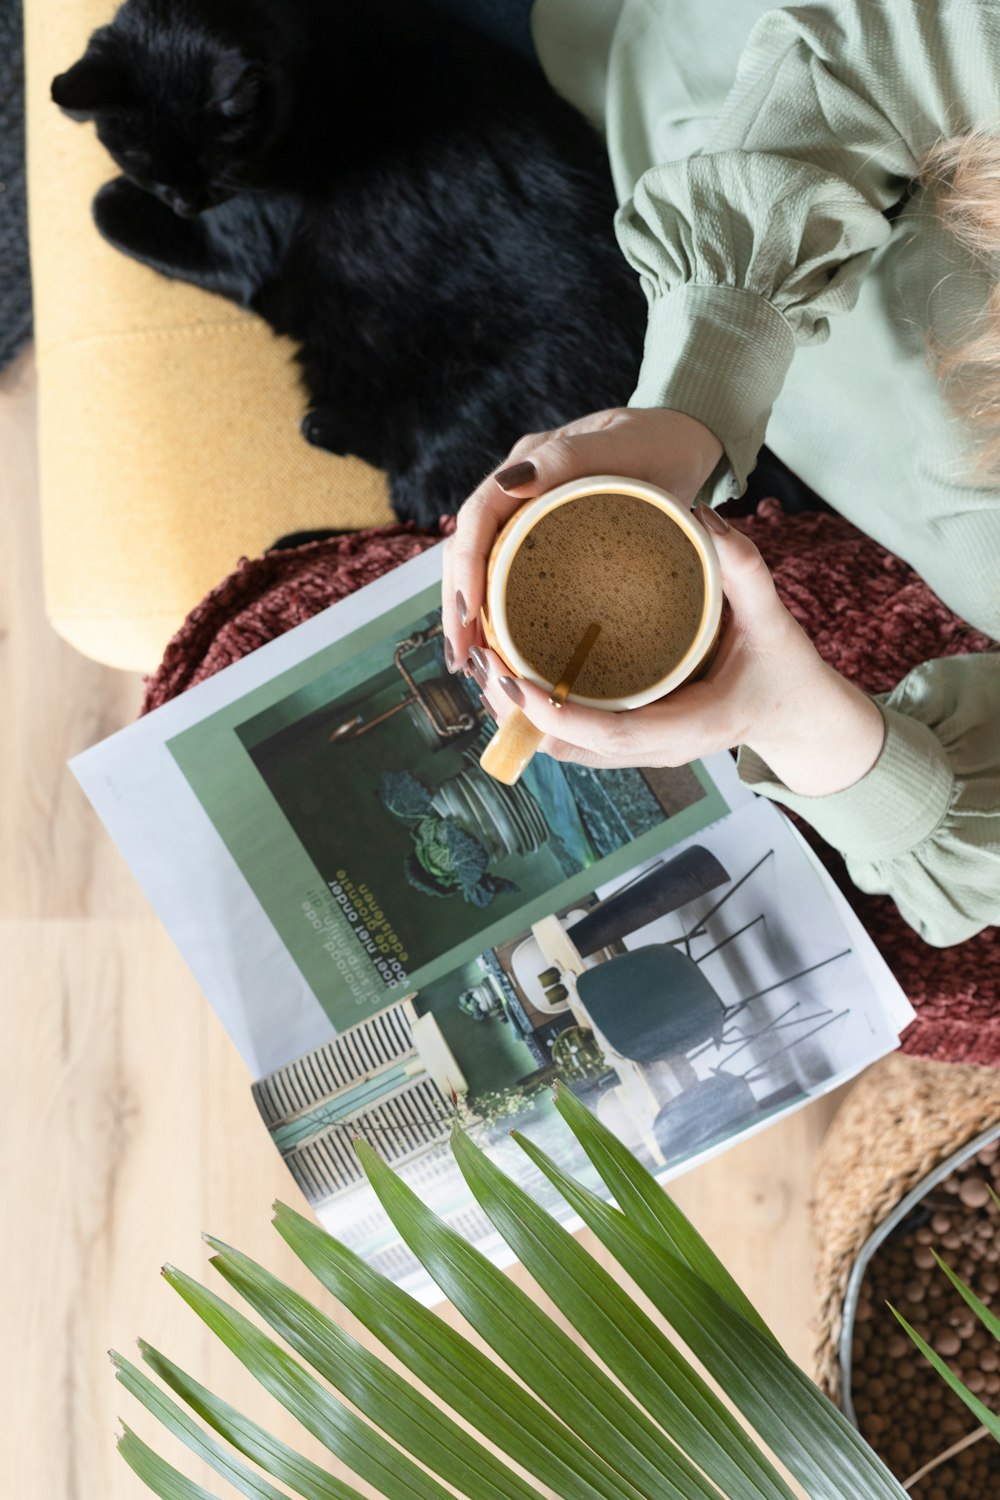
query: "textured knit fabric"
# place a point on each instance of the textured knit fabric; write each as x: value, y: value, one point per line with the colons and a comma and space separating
x: 869, y: 614
x: 757, y: 154
x: 270, y: 595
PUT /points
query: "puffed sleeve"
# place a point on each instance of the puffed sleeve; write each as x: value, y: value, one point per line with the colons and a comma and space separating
x: 746, y: 249
x: 923, y: 826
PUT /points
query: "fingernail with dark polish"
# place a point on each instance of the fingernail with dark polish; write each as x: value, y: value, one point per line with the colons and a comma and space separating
x: 512, y: 688
x: 462, y: 608
x: 710, y: 519
x: 480, y: 666
x: 449, y: 655
x: 515, y: 475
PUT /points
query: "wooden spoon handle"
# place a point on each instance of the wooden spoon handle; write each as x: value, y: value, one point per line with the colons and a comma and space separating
x: 511, y: 748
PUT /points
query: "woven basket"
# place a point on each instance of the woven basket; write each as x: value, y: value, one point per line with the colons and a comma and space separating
x: 904, y: 1117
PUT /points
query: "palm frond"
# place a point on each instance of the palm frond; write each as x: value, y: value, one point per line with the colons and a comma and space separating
x: 802, y: 1428
x: 384, y: 1396
x: 618, y: 1414
x: 639, y: 1353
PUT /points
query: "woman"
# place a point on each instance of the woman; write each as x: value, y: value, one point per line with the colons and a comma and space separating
x: 754, y: 218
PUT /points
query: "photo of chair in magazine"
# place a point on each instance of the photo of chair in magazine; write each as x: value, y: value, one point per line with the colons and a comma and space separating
x: 396, y: 942
x: 686, y: 1002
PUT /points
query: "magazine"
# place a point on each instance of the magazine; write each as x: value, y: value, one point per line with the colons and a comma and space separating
x: 394, y: 940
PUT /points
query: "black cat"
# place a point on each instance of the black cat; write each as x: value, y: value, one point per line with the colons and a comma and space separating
x: 415, y: 207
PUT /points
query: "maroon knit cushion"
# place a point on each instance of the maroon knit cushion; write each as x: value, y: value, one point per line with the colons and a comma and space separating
x: 266, y: 597
x: 870, y: 615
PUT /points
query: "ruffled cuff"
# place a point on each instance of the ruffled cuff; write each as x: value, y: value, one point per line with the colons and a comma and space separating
x: 899, y: 804
x: 719, y: 354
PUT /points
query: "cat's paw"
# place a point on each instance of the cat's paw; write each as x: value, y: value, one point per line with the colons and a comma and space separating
x: 324, y: 429
x: 426, y: 496
x: 128, y: 218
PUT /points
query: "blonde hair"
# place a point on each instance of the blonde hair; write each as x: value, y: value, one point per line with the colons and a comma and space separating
x: 962, y: 175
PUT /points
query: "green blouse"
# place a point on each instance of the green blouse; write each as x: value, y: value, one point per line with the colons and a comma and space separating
x: 757, y: 154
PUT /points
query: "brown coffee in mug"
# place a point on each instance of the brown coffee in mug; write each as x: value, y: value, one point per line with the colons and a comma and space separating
x: 618, y: 560
x: 609, y: 552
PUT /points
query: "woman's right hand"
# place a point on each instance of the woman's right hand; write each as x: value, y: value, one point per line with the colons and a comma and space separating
x: 663, y: 447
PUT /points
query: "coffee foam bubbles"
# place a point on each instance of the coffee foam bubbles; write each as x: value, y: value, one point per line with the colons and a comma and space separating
x: 620, y: 561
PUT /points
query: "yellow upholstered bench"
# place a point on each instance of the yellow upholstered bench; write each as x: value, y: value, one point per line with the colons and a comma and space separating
x: 168, y: 418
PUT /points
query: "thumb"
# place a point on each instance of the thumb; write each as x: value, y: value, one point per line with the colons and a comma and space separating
x: 555, y: 458
x: 746, y: 581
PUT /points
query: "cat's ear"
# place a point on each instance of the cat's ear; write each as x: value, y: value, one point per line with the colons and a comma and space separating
x: 98, y: 81
x: 238, y: 88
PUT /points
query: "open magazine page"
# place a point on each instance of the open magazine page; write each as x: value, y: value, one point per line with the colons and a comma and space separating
x: 392, y: 938
x: 687, y: 1001
x: 315, y: 832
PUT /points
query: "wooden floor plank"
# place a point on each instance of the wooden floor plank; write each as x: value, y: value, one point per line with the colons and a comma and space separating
x: 54, y: 858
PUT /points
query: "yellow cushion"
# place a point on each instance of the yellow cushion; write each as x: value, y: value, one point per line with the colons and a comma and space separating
x: 169, y: 444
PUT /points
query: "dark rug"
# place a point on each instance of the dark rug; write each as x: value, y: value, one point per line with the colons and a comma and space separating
x: 15, y: 271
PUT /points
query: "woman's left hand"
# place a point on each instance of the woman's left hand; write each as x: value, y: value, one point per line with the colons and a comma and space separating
x: 767, y: 688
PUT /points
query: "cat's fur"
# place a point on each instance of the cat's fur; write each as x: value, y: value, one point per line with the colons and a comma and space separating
x: 416, y: 208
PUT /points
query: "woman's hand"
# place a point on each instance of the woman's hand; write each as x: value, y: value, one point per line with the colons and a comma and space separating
x: 663, y: 447
x: 767, y: 688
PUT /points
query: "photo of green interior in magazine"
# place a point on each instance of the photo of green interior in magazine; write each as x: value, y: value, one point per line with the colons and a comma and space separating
x: 349, y: 792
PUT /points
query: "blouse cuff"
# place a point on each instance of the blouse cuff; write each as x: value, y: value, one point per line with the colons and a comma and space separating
x: 899, y: 803
x: 719, y: 354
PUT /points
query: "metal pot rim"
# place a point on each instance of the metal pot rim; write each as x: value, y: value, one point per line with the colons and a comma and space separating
x: 874, y: 1240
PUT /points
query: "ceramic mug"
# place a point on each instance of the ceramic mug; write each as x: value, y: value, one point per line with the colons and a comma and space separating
x: 517, y: 739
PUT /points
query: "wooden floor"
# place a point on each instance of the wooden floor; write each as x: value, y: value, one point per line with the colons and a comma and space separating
x: 127, y: 1120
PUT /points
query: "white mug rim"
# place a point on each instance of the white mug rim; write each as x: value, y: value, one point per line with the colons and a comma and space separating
x: 532, y: 512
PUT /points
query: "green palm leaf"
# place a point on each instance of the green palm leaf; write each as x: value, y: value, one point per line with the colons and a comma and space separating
x: 810, y: 1436
x: 651, y: 1429
x: 384, y: 1396
x: 155, y: 1472
x: 989, y: 1320
x: 983, y: 1415
x: 536, y: 1348
x: 301, y: 1474
x: 359, y: 1446
x: 629, y: 1343
x: 643, y: 1201
x: 181, y: 1425
x: 463, y: 1376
